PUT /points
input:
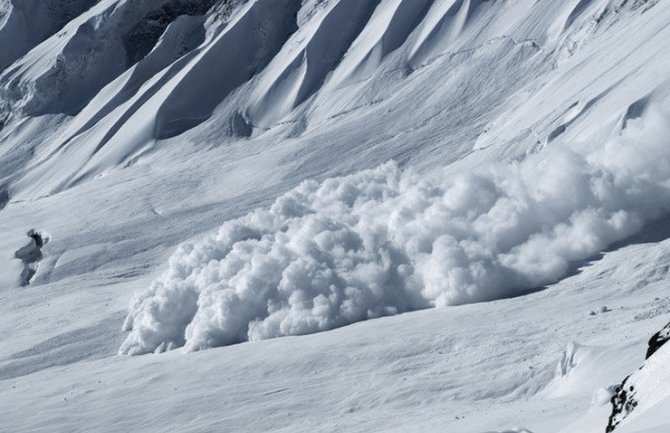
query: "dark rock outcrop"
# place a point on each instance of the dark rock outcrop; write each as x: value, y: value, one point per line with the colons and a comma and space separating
x: 144, y: 36
x: 658, y: 340
x: 625, y: 398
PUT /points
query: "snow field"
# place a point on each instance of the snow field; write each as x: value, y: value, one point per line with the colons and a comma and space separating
x: 192, y: 131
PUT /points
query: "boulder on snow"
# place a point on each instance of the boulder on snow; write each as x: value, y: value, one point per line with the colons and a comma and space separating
x: 658, y: 340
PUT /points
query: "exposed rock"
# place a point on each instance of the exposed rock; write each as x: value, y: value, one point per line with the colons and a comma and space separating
x: 627, y: 396
x: 623, y: 403
x: 29, y: 22
x: 658, y: 340
x: 144, y: 36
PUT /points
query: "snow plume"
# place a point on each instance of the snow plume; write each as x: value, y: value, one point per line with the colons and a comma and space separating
x: 383, y: 242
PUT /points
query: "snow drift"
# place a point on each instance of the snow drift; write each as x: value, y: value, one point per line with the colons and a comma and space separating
x: 384, y: 241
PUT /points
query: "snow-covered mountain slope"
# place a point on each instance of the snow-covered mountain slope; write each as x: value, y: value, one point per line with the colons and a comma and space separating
x: 539, y: 362
x: 292, y: 81
x: 528, y: 136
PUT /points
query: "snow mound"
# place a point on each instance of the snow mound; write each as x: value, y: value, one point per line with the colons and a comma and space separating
x: 384, y: 241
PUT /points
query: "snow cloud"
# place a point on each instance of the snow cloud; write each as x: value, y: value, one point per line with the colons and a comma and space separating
x: 384, y: 241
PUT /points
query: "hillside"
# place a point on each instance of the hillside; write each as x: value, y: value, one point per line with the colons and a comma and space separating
x: 464, y: 203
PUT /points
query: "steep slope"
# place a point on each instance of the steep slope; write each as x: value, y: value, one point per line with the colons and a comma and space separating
x: 310, y: 83
x: 26, y: 23
x: 526, y: 136
x: 643, y: 389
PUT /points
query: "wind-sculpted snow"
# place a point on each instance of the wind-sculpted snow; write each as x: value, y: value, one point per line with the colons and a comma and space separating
x: 102, y: 40
x: 232, y: 59
x: 385, y: 241
x: 26, y: 23
x: 123, y: 76
x: 447, y: 21
x: 301, y: 71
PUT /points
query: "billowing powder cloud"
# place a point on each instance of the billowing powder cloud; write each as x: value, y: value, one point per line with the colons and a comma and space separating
x: 383, y: 242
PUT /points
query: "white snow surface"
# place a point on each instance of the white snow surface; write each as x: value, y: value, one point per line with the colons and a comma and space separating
x: 649, y: 382
x: 275, y: 168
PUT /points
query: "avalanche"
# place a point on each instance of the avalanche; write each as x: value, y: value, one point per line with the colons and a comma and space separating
x: 383, y: 242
